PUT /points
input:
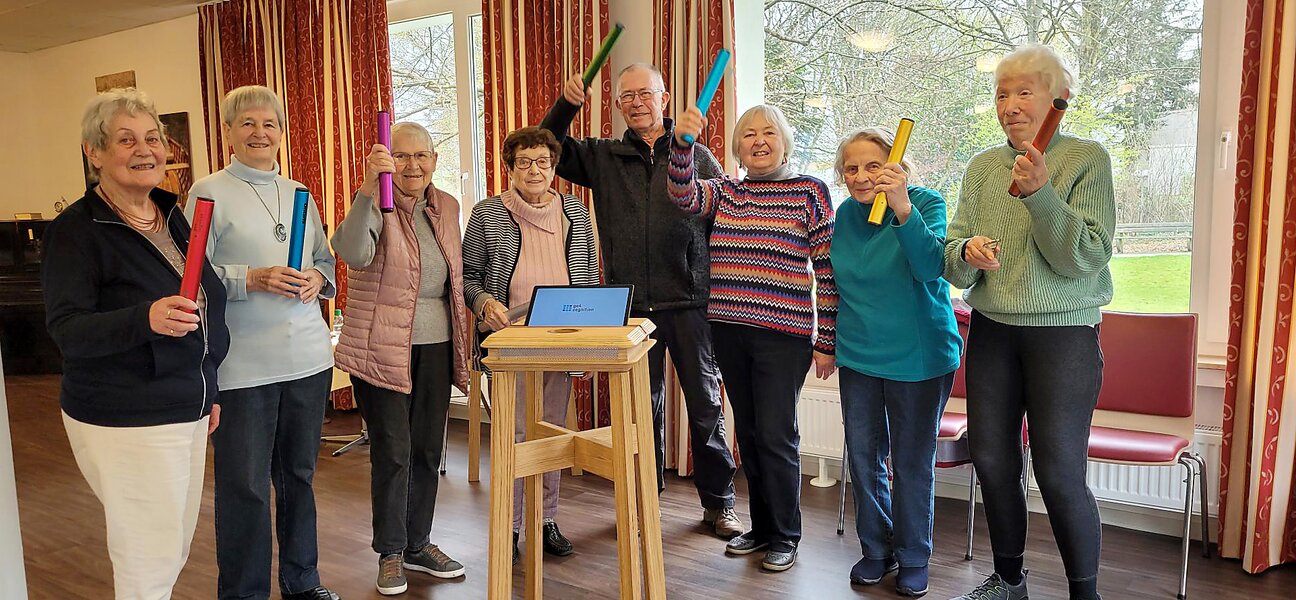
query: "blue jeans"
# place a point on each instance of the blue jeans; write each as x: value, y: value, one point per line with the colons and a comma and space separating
x: 900, y: 418
x: 269, y: 433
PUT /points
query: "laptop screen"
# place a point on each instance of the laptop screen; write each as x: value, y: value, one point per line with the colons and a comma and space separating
x: 580, y: 306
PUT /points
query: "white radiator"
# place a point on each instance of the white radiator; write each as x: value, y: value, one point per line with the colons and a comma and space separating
x: 819, y: 418
x: 1160, y: 488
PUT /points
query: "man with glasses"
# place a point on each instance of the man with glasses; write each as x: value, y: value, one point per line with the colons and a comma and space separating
x: 649, y: 243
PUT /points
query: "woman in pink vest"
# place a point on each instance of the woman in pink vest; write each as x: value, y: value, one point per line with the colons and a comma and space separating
x: 404, y: 342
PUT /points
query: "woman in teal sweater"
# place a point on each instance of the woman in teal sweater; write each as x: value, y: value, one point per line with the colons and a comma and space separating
x: 897, y: 349
x: 1035, y: 270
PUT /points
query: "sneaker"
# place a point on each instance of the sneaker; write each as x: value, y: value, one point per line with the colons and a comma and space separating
x: 431, y: 560
x: 724, y: 521
x: 780, y: 558
x: 870, y: 571
x: 995, y: 588
x: 319, y: 593
x: 744, y: 544
x: 554, y: 542
x: 912, y: 581
x: 391, y: 577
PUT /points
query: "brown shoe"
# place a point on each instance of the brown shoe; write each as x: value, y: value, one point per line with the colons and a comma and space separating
x: 725, y: 521
x: 391, y: 577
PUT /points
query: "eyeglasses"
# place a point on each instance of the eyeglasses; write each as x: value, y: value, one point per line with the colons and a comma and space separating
x: 404, y: 157
x: 524, y: 163
x: 644, y: 95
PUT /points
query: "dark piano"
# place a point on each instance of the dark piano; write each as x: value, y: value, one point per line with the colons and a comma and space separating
x: 24, y: 342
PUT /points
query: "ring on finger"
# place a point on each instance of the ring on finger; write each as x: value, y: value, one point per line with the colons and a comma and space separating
x: 169, y: 313
x: 171, y: 330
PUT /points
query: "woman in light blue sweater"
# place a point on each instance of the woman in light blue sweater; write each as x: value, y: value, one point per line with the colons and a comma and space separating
x: 276, y: 379
x: 897, y: 350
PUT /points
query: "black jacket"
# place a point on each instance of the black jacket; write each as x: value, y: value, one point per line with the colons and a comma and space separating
x: 100, y: 276
x: 647, y: 241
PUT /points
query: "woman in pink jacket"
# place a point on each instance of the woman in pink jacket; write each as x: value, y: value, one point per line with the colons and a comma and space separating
x: 405, y: 342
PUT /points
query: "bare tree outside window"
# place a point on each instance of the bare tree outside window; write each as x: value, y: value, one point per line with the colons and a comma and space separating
x: 424, y: 89
x: 836, y: 65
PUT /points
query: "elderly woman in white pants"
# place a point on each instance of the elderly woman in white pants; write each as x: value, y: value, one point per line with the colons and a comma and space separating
x: 139, y: 361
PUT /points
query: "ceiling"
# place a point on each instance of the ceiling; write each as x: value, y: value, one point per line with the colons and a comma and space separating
x: 31, y: 25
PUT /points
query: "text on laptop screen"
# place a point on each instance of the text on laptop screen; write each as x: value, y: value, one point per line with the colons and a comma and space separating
x: 579, y: 307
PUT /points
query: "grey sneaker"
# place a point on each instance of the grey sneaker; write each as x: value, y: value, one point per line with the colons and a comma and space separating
x: 779, y: 558
x: 995, y: 588
x: 391, y: 577
x: 724, y: 520
x: 431, y: 560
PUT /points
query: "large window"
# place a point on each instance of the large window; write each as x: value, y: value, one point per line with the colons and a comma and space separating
x: 1138, y: 65
x: 437, y: 82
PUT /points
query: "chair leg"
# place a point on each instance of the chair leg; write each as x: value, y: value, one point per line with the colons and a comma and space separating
x: 841, y: 497
x: 1205, y: 508
x: 1189, y: 480
x: 971, y: 520
x: 445, y: 444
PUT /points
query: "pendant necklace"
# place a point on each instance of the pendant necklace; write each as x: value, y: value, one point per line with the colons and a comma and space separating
x: 280, y: 233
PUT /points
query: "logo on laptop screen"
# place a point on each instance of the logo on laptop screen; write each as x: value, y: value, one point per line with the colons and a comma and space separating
x: 577, y: 308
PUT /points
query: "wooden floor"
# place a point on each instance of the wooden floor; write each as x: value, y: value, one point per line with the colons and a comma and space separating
x: 63, y: 537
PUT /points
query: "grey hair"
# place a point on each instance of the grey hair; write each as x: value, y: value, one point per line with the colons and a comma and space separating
x: 242, y: 99
x: 651, y: 68
x: 775, y: 118
x: 1039, y: 61
x: 100, y: 111
x: 882, y: 137
x: 414, y: 129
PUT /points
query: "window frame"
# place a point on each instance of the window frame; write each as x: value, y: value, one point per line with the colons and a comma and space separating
x: 470, y: 145
x: 1220, y: 92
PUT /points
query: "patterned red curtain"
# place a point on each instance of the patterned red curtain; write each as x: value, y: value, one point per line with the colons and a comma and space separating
x: 1257, y: 504
x: 687, y: 34
x: 530, y: 48
x: 329, y: 62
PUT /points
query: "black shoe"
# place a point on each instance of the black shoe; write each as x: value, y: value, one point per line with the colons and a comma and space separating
x: 744, y: 544
x: 554, y: 542
x: 779, y: 558
x: 319, y: 593
x: 517, y: 554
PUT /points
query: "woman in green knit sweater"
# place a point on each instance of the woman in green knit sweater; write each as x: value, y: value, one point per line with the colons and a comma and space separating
x: 1035, y: 271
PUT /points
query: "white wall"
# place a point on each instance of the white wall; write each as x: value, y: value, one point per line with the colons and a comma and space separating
x: 44, y: 93
x: 634, y: 45
x: 13, y: 579
x: 17, y: 105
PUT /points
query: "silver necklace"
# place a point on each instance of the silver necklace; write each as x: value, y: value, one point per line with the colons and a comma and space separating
x: 280, y: 233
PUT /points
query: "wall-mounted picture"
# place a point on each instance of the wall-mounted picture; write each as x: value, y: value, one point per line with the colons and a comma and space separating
x: 111, y: 81
x: 179, y: 172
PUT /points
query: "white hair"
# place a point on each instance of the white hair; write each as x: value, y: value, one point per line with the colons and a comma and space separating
x: 101, y: 110
x: 651, y: 68
x: 775, y: 117
x: 248, y: 97
x: 1034, y: 60
x: 414, y: 129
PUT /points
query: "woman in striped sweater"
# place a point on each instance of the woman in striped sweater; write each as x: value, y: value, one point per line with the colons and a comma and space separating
x: 1035, y: 271
x: 773, y: 308
x: 529, y: 236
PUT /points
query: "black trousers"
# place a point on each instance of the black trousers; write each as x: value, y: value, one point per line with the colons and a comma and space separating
x: 405, y: 436
x: 763, y: 374
x: 1052, y: 376
x: 686, y: 333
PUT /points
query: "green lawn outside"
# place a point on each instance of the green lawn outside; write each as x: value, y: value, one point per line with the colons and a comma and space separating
x: 1154, y: 283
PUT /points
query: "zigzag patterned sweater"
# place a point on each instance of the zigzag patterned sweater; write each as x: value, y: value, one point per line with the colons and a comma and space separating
x: 767, y: 240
